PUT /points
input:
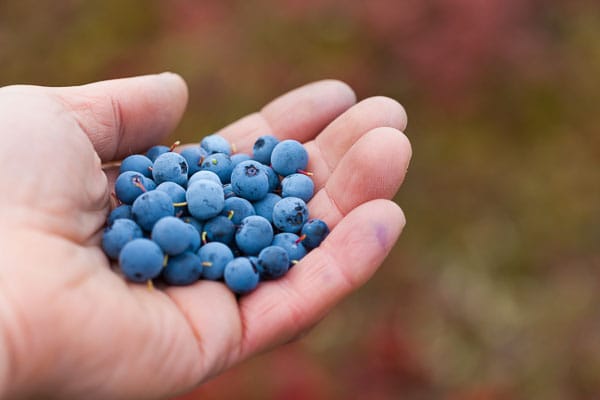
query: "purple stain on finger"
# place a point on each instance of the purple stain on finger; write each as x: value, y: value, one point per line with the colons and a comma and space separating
x: 381, y: 233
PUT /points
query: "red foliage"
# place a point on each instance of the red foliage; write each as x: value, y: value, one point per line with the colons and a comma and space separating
x: 450, y: 46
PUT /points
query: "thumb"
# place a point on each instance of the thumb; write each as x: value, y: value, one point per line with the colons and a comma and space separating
x: 123, y: 116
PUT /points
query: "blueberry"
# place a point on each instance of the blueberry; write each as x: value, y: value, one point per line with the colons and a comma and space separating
x: 216, y: 143
x: 194, y: 157
x: 219, y: 229
x: 148, y: 208
x: 170, y: 167
x: 291, y: 243
x: 238, y: 208
x: 123, y: 211
x: 254, y: 234
x: 205, y: 199
x: 314, y: 232
x: 288, y: 157
x: 263, y: 147
x: 289, y: 214
x: 238, y: 158
x: 183, y: 269
x: 137, y: 163
x: 129, y: 185
x: 273, y: 262
x: 118, y: 235
x: 156, y: 151
x: 141, y: 260
x: 228, y: 191
x: 194, y: 237
x: 249, y: 180
x: 198, y: 225
x: 264, y: 207
x: 214, y: 257
x: 220, y: 164
x: 175, y: 192
x: 241, y: 276
x: 297, y: 185
x: 172, y: 235
x: 273, y: 178
x: 205, y: 175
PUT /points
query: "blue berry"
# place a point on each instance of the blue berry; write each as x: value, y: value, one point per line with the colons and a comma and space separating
x: 228, y: 191
x: 292, y: 244
x: 289, y: 214
x: 241, y: 276
x: 264, y: 207
x: 118, y: 235
x: 172, y: 235
x: 238, y: 208
x: 238, y: 158
x: 175, y: 192
x: 198, y: 225
x: 156, y: 151
x: 214, y: 257
x: 148, y: 208
x: 205, y: 199
x: 183, y: 269
x: 263, y: 147
x: 219, y: 229
x: 194, y: 157
x: 129, y: 185
x: 141, y: 260
x: 220, y: 164
x: 137, y: 163
x: 273, y: 262
x: 254, y: 234
x: 297, y: 185
x: 123, y: 211
x: 205, y: 175
x: 170, y: 167
x: 314, y: 232
x: 194, y: 237
x: 289, y: 157
x: 216, y: 143
x: 273, y: 178
x: 249, y: 180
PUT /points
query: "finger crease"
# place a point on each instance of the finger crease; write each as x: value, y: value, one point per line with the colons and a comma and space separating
x: 322, y: 156
x: 336, y: 207
x: 119, y: 125
x: 345, y: 275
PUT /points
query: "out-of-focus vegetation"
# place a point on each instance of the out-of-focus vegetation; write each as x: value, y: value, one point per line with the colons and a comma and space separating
x: 493, y: 290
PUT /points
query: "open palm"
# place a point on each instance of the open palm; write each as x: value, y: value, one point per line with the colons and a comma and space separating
x: 73, y: 328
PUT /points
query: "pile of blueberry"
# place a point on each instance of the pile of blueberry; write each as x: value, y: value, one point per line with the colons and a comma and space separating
x: 206, y: 213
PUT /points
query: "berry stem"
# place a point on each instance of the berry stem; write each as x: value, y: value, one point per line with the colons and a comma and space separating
x: 230, y: 214
x: 150, y: 285
x: 181, y: 204
x: 204, y: 237
x: 177, y: 143
x: 165, y: 260
x: 110, y: 164
x: 301, y: 171
x: 300, y: 239
x: 206, y: 264
x: 138, y: 183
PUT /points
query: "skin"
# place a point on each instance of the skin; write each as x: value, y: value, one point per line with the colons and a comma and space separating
x: 73, y: 328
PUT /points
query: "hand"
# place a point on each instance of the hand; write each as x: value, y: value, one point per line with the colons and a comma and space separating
x: 72, y: 328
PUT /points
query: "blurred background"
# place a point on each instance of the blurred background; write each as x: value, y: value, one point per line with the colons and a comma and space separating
x: 493, y: 290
